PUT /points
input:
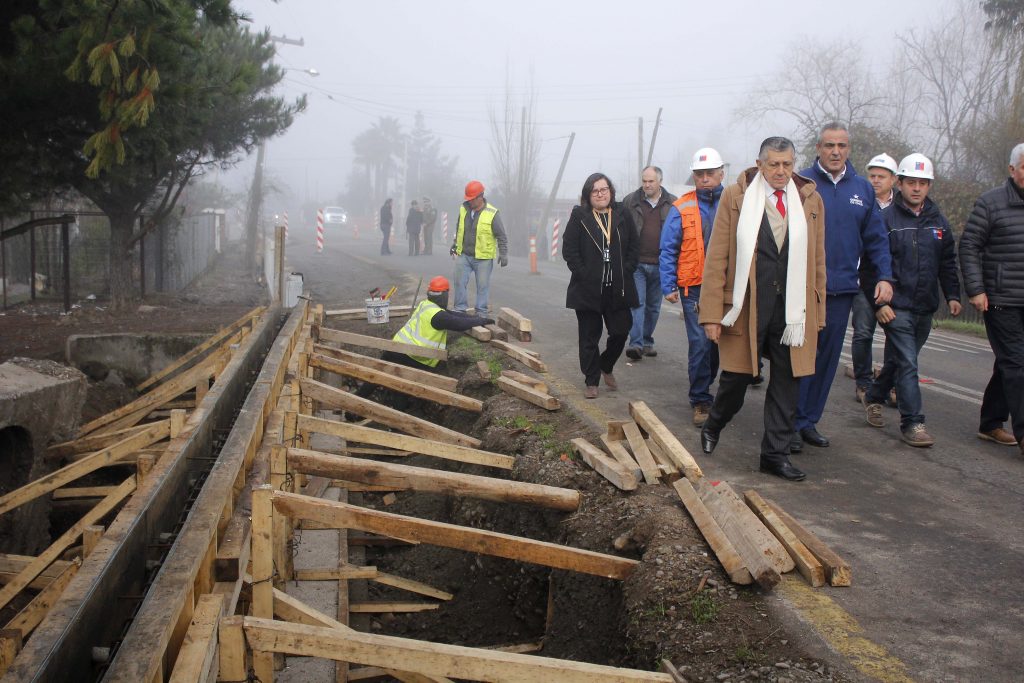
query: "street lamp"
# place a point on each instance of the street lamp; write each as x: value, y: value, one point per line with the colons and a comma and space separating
x: 311, y: 71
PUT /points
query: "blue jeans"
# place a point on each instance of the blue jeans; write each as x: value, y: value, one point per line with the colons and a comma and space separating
x: 702, y: 353
x: 645, y: 316
x: 863, y: 337
x: 904, y: 338
x: 814, y: 389
x: 481, y: 268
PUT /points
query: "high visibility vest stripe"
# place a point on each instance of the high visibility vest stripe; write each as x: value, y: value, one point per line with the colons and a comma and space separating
x: 485, y: 246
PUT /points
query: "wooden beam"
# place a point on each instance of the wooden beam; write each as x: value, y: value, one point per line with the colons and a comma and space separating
x: 12, y: 565
x: 641, y: 452
x: 386, y: 607
x: 836, y: 568
x: 336, y: 398
x: 521, y: 355
x: 405, y: 584
x: 432, y: 659
x: 733, y: 526
x: 36, y: 567
x: 480, y: 333
x: 231, y: 650
x: 660, y: 434
x: 360, y: 313
x: 621, y: 456
x: 497, y: 334
x: 454, y: 536
x: 220, y: 338
x: 432, y: 481
x: 358, y: 487
x: 197, y: 655
x: 528, y: 394
x: 528, y: 380
x: 346, y: 572
x: 352, y: 339
x: 91, y: 537
x: 515, y: 324
x: 58, y: 478
x: 405, y: 386
x: 91, y: 443
x: 484, y: 370
x: 262, y: 572
x: 669, y: 471
x: 82, y: 492
x: 751, y: 525
x: 34, y: 612
x: 724, y: 550
x: 806, y: 563
x: 10, y: 646
x: 604, y: 465
x: 422, y: 376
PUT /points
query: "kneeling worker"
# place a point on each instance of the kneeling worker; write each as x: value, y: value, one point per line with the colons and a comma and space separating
x: 428, y: 326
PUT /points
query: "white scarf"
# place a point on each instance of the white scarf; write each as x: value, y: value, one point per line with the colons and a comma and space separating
x: 747, y: 227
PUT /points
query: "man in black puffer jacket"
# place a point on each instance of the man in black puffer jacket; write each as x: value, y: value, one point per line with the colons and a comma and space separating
x: 992, y: 260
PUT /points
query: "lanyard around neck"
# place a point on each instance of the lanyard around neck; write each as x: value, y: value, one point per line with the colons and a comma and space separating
x: 606, y: 229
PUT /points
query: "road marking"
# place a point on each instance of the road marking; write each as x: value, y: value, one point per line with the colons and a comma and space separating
x: 939, y: 386
x: 942, y: 345
x: 842, y: 632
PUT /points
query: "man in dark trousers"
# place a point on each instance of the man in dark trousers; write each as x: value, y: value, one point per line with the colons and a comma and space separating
x: 429, y: 221
x: 386, y: 219
x: 992, y: 261
x: 765, y: 261
x: 413, y: 223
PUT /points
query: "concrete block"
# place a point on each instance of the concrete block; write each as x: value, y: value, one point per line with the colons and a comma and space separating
x: 127, y: 358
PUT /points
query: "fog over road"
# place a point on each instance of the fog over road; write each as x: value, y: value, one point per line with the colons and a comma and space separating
x: 933, y: 536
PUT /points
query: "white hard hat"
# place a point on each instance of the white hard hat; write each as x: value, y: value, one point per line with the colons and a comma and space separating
x: 885, y: 161
x: 705, y: 158
x: 916, y: 165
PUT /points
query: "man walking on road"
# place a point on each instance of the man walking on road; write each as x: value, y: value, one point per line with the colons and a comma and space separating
x: 413, y: 223
x: 923, y: 251
x: 649, y: 206
x: 386, y: 219
x: 479, y: 238
x: 882, y: 176
x: 684, y: 243
x: 992, y: 261
x: 765, y: 261
x: 854, y: 231
x: 429, y: 221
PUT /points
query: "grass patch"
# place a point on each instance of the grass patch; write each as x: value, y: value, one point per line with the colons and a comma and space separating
x: 545, y: 431
x: 962, y: 326
x: 703, y: 608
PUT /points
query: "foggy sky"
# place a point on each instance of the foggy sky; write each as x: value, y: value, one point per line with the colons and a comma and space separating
x: 595, y: 67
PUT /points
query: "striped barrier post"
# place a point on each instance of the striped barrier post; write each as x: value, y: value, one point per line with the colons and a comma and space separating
x: 533, y: 255
x: 554, y: 240
x: 319, y: 230
x: 286, y: 225
x: 444, y: 229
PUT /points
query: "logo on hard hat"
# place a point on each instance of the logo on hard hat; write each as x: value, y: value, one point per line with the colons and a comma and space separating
x: 703, y: 157
x: 918, y: 165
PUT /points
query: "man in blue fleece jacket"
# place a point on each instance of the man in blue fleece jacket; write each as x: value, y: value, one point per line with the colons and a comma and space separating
x: 853, y: 230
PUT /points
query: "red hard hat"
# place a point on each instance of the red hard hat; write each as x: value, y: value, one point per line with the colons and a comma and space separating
x: 438, y: 284
x: 474, y: 188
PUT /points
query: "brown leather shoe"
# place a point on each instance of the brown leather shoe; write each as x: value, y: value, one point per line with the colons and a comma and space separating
x: 609, y: 381
x: 590, y: 392
x: 700, y: 414
x: 999, y: 436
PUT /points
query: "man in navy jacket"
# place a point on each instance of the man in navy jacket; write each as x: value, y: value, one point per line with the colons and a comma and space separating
x: 853, y: 230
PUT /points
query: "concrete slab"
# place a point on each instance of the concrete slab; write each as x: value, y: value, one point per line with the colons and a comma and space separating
x: 127, y: 358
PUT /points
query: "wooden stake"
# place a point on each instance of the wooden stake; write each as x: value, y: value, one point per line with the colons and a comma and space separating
x: 231, y: 643
x: 716, y: 538
x: 484, y: 369
x: 621, y: 456
x: 641, y: 452
x: 838, y: 571
x: 660, y: 434
x: 262, y: 572
x: 806, y: 563
x: 528, y: 394
x: 178, y: 416
x: 198, y: 652
x: 143, y: 466
x: 523, y: 378
x: 521, y: 355
x: 90, y: 537
x: 480, y: 333
x: 604, y: 465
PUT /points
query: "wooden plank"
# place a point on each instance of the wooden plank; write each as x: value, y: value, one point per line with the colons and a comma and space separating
x: 422, y: 376
x: 395, y: 311
x: 34, y: 612
x: 218, y: 339
x: 12, y: 565
x: 358, y: 487
x: 10, y: 646
x: 641, y: 452
x: 604, y: 465
x: 400, y: 384
x: 196, y: 656
x: 432, y: 481
x: 732, y: 525
x: 82, y: 492
x: 336, y: 398
x: 484, y: 369
x: 321, y: 333
x: 35, y: 568
x: 403, y: 442
x: 529, y: 381
x: 346, y: 572
x: 480, y: 333
x: 515, y: 324
x: 497, y: 334
x: 235, y: 544
x: 661, y: 435
x: 751, y: 525
x: 836, y: 568
x: 58, y: 478
x: 521, y: 355
x: 528, y: 394
x: 669, y: 471
x: 808, y: 566
x: 91, y: 443
x: 433, y: 659
x: 231, y: 646
x: 386, y: 607
x: 405, y: 584
x: 262, y: 559
x: 344, y: 595
x: 454, y: 536
x: 720, y: 544
x: 621, y: 456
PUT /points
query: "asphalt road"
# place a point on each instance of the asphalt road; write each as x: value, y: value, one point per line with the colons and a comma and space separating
x: 933, y: 536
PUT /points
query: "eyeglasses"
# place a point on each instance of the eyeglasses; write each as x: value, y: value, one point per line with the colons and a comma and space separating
x: 601, y: 190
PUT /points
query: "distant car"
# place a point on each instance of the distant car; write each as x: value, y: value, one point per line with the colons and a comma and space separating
x: 335, y: 215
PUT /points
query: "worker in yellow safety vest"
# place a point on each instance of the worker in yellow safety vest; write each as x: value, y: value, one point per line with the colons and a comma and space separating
x: 479, y: 238
x: 428, y: 327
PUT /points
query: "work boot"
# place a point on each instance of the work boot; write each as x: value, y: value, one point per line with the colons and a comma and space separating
x: 650, y: 351
x: 635, y: 353
x: 873, y: 413
x: 859, y: 393
x: 590, y: 392
x: 917, y: 436
x: 999, y: 436
x: 609, y: 381
x: 700, y: 414
x: 891, y: 401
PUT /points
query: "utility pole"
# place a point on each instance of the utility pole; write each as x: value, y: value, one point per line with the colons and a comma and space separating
x: 654, y: 137
x: 640, y: 148
x: 554, y: 190
x: 521, y: 189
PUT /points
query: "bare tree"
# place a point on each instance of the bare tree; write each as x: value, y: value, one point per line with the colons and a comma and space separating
x: 515, y: 152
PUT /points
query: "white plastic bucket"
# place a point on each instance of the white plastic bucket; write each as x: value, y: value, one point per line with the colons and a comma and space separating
x: 378, y: 311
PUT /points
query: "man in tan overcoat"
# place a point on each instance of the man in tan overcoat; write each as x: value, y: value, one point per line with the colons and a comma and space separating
x: 753, y: 304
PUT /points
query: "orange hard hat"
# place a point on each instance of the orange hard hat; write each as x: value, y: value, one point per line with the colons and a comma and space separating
x: 438, y: 284
x: 474, y: 188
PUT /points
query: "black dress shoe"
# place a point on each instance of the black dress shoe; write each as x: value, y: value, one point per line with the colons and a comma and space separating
x: 757, y: 381
x: 811, y: 436
x: 708, y: 440
x: 786, y: 470
x: 796, y: 444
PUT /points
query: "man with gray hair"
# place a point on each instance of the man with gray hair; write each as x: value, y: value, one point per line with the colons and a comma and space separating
x: 764, y: 264
x: 649, y: 207
x: 992, y: 261
x: 854, y: 230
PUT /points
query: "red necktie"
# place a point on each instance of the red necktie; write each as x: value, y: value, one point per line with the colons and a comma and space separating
x: 778, y: 203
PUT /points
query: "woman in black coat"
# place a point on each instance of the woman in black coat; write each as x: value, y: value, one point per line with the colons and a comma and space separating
x: 600, y: 247
x: 386, y: 219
